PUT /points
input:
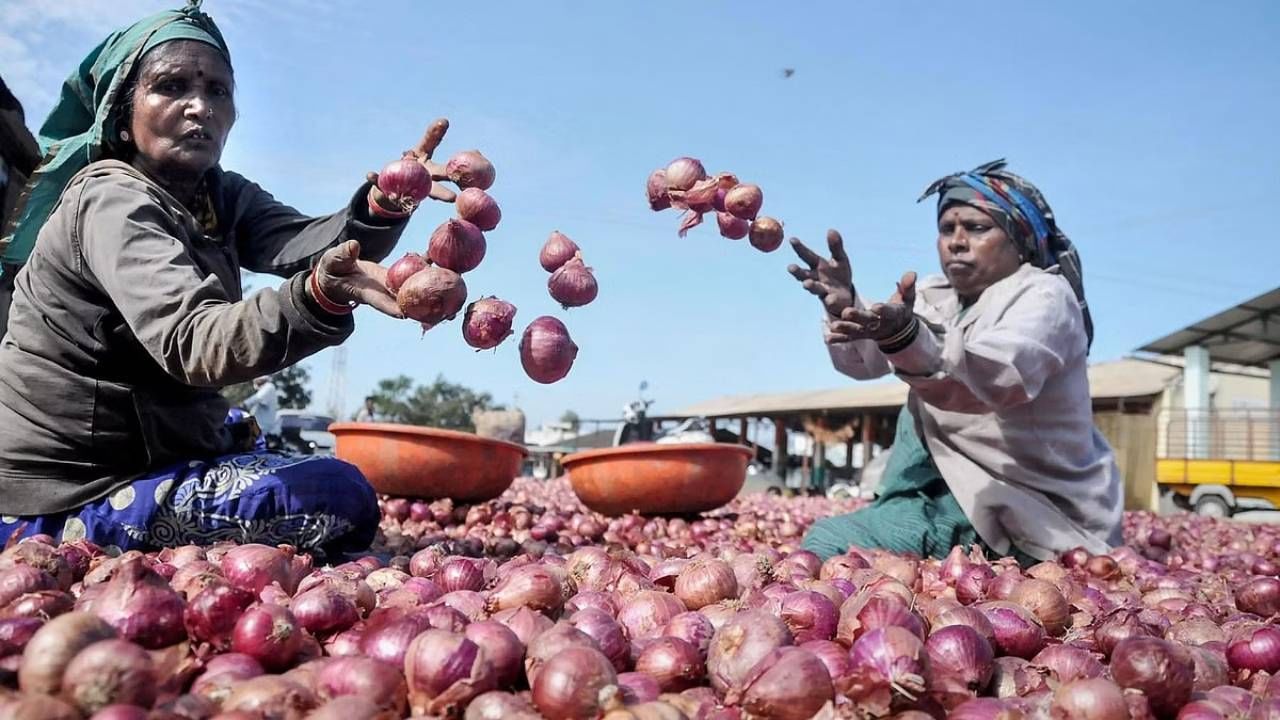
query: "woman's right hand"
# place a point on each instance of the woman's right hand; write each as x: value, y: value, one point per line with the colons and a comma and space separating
x: 343, y: 278
x: 831, y: 279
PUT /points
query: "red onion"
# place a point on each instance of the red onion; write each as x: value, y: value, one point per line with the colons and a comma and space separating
x: 692, y: 627
x: 608, y: 634
x: 887, y: 662
x: 533, y: 586
x: 53, y: 646
x: 674, y: 663
x: 788, y: 684
x: 637, y: 687
x: 1210, y: 668
x: 426, y: 563
x: 324, y: 610
x: 43, y: 604
x: 142, y: 607
x: 470, y: 169
x: 834, y: 657
x: 495, y: 705
x: 646, y: 612
x: 549, y: 644
x: 41, y: 557
x: 21, y: 579
x: 365, y: 677
x: 766, y: 234
x: 252, y: 567
x: 457, y: 245
x: 573, y: 284
x: 269, y: 634
x: 445, y: 671
x: 1195, y: 631
x: 39, y: 707
x: 1066, y: 663
x: 740, y: 644
x: 656, y: 190
x: 403, y: 269
x: 269, y: 696
x: 212, y: 614
x: 1045, y: 602
x: 744, y: 201
x: 1162, y: 670
x: 1017, y: 631
x: 1090, y: 699
x: 460, y: 573
x: 345, y: 643
x: 862, y: 613
x: 525, y: 623
x: 110, y: 672
x: 683, y: 172
x: 546, y: 350
x: 477, y: 207
x: 705, y: 581
x: 1103, y: 567
x: 487, y: 323
x: 731, y: 227
x: 432, y: 295
x: 502, y: 648
x: 809, y: 616
x: 577, y: 684
x: 15, y: 633
x: 405, y: 182
x: 469, y: 603
x: 960, y: 664
x: 556, y: 251
x: 1260, y: 596
x: 348, y: 707
x: 1120, y: 625
x: 121, y: 712
x: 591, y: 599
x: 971, y: 586
x: 1255, y: 649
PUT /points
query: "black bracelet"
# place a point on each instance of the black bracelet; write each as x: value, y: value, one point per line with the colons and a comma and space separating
x: 901, y: 339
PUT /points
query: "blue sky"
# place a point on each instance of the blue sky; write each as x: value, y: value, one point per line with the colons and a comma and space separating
x: 1149, y: 126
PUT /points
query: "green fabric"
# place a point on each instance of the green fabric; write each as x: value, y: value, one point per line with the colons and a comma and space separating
x: 78, y: 128
x: 914, y: 511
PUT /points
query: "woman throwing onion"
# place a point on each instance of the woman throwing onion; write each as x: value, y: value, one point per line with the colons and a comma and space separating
x: 128, y: 317
x: 996, y: 444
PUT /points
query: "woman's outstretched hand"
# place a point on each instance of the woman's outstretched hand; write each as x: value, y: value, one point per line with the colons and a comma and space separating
x: 831, y: 279
x: 881, y: 321
x: 343, y: 278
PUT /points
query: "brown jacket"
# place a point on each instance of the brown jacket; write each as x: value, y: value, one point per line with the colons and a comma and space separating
x: 127, y: 319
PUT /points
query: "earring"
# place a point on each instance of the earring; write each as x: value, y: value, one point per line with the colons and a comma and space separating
x: 124, y: 135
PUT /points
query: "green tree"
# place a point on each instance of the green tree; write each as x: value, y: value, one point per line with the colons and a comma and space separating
x: 441, y: 404
x: 291, y: 383
x: 571, y: 419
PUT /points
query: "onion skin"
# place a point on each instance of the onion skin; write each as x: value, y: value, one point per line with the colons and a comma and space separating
x: 765, y: 234
x: 1045, y: 602
x: 888, y: 662
x: 656, y: 190
x: 445, y: 671
x: 683, y: 172
x: 110, y: 672
x: 547, y: 352
x: 740, y: 644
x: 432, y: 296
x: 457, y: 245
x: 271, y: 696
x: 789, y: 684
x: 470, y: 169
x: 579, y: 683
x: 403, y: 269
x: 53, y: 647
x: 1162, y: 670
x: 487, y: 323
x: 479, y: 208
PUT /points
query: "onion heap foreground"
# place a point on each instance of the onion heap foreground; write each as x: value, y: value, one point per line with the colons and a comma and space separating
x: 529, y: 606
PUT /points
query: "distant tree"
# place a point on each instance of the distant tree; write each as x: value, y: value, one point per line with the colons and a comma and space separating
x: 291, y: 383
x: 441, y: 404
x: 571, y: 419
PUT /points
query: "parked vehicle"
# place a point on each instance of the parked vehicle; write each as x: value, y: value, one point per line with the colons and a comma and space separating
x: 306, y: 433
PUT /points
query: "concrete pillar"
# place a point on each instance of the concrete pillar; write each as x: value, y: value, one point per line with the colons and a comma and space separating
x: 1273, y: 404
x: 1195, y: 398
x: 780, y: 448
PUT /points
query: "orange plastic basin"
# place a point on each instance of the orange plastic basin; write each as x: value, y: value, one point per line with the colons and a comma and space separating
x: 419, y: 462
x: 654, y: 479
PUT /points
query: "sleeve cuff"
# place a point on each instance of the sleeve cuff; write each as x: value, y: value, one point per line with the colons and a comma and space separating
x: 921, y: 357
x: 306, y: 314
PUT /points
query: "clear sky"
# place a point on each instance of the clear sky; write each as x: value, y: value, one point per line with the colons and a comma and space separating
x: 1150, y: 126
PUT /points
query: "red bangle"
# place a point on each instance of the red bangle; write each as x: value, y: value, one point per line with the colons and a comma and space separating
x: 379, y: 211
x: 325, y: 303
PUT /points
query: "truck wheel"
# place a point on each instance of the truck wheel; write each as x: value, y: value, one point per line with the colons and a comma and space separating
x: 1212, y: 506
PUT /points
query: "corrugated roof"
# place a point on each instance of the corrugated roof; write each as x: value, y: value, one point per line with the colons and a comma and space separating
x: 1127, y: 378
x: 1247, y: 334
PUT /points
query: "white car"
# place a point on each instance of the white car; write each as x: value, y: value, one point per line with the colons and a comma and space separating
x: 309, y: 428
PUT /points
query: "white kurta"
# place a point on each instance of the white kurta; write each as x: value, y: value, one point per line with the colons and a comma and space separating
x: 1001, y: 397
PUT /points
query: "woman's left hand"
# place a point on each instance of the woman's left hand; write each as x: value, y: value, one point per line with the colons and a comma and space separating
x: 343, y: 278
x: 879, y: 322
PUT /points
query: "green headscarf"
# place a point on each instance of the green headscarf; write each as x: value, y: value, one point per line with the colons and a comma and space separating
x: 78, y: 129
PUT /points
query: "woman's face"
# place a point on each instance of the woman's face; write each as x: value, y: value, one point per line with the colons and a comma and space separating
x: 182, y: 110
x: 975, y: 253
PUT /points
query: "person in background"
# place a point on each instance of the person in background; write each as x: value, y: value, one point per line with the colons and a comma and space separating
x: 129, y: 318
x: 264, y: 403
x: 19, y: 156
x: 996, y: 445
x: 366, y: 412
